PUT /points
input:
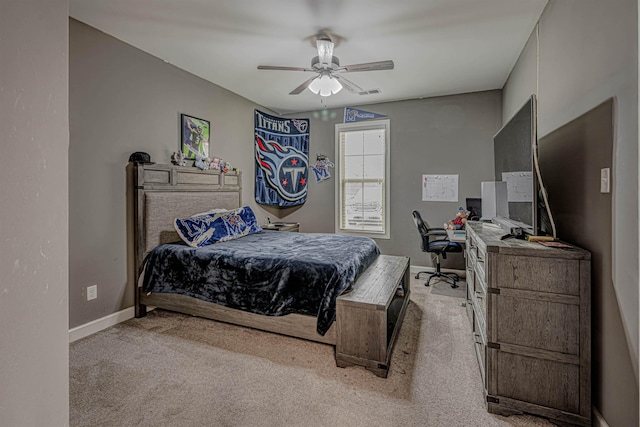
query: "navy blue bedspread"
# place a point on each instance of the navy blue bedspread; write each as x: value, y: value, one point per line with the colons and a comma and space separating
x: 272, y: 273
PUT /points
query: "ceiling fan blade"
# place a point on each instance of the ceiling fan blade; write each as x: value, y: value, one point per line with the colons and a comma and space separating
x: 303, y: 86
x: 275, y: 67
x: 325, y: 52
x: 348, y: 84
x: 368, y: 66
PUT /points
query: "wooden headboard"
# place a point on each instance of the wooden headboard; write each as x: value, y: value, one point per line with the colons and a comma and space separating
x: 166, y: 192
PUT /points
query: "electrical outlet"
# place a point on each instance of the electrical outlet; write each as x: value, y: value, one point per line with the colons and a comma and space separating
x: 605, y: 180
x: 92, y: 292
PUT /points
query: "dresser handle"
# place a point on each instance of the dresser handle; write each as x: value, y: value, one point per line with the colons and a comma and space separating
x: 477, y: 339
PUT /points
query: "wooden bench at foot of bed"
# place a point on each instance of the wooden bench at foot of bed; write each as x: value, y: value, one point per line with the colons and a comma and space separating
x: 368, y: 318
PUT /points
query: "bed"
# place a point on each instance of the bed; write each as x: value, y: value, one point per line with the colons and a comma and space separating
x: 270, y: 272
x: 371, y: 291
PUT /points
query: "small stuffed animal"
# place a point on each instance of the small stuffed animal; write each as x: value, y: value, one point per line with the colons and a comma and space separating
x: 177, y: 158
x: 215, y: 164
x: 202, y: 162
x: 459, y: 221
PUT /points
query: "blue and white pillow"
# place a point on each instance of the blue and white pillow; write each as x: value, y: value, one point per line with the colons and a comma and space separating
x: 211, y: 227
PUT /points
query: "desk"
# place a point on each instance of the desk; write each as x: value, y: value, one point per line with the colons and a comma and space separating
x: 457, y: 236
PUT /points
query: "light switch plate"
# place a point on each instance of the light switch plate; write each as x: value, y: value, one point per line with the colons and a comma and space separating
x: 92, y: 292
x: 605, y: 180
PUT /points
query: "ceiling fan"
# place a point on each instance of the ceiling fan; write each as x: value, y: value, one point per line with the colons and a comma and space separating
x: 329, y: 77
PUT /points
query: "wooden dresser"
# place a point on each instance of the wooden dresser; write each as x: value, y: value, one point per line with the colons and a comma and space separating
x: 530, y: 313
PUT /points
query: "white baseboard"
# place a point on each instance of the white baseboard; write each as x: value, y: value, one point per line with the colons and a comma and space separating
x: 414, y: 269
x: 99, y: 324
x: 598, y: 419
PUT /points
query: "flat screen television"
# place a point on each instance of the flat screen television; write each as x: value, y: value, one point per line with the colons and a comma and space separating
x: 514, y: 149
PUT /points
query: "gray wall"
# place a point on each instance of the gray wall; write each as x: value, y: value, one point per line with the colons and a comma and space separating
x: 123, y: 100
x: 444, y: 135
x: 588, y: 52
x: 34, y: 355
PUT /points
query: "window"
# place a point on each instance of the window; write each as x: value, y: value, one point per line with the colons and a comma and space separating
x: 362, y: 151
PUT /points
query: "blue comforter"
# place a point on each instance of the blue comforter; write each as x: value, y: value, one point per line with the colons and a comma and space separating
x: 272, y: 273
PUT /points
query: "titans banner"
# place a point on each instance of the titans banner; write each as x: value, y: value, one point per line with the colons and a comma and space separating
x: 282, y: 160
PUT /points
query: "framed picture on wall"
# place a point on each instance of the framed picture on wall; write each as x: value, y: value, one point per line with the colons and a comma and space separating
x: 195, y: 136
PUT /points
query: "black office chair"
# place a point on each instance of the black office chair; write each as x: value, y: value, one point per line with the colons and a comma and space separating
x: 436, y: 241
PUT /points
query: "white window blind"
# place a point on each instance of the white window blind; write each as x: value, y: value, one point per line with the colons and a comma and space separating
x: 363, y: 178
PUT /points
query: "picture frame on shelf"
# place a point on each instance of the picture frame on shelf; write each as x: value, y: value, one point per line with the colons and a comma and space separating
x: 195, y: 136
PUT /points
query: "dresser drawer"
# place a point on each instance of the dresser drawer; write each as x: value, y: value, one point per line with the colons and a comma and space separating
x: 480, y: 305
x: 545, y: 322
x: 480, y: 266
x: 469, y: 308
x: 555, y: 276
x: 471, y: 249
x: 480, y: 346
x: 470, y: 278
x: 474, y: 246
x: 479, y: 278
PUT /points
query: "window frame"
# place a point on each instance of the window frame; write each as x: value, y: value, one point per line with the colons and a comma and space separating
x: 364, y: 126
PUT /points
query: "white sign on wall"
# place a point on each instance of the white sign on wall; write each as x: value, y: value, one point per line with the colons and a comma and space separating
x: 439, y: 188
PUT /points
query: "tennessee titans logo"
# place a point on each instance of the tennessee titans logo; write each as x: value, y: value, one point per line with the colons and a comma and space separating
x: 301, y: 125
x: 284, y: 167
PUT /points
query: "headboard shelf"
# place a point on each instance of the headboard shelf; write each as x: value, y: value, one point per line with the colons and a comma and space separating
x: 163, y: 177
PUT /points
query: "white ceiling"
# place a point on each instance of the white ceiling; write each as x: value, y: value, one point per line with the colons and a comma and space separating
x: 439, y: 47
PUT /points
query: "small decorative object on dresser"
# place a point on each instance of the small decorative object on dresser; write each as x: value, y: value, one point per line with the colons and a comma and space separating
x: 530, y: 311
x: 221, y: 165
x: 202, y: 163
x: 215, y: 164
x: 177, y: 158
x: 140, y: 157
x: 459, y: 221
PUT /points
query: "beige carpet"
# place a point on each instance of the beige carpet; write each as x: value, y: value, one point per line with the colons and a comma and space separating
x: 170, y: 369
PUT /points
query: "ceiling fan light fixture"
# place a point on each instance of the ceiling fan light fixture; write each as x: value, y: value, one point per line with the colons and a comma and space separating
x: 325, y: 51
x: 329, y: 79
x: 325, y: 85
x: 336, y: 86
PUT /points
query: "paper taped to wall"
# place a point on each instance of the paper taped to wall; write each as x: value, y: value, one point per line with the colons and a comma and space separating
x: 439, y: 188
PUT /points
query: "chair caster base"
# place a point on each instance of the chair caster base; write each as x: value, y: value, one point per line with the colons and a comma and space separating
x: 452, y: 278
